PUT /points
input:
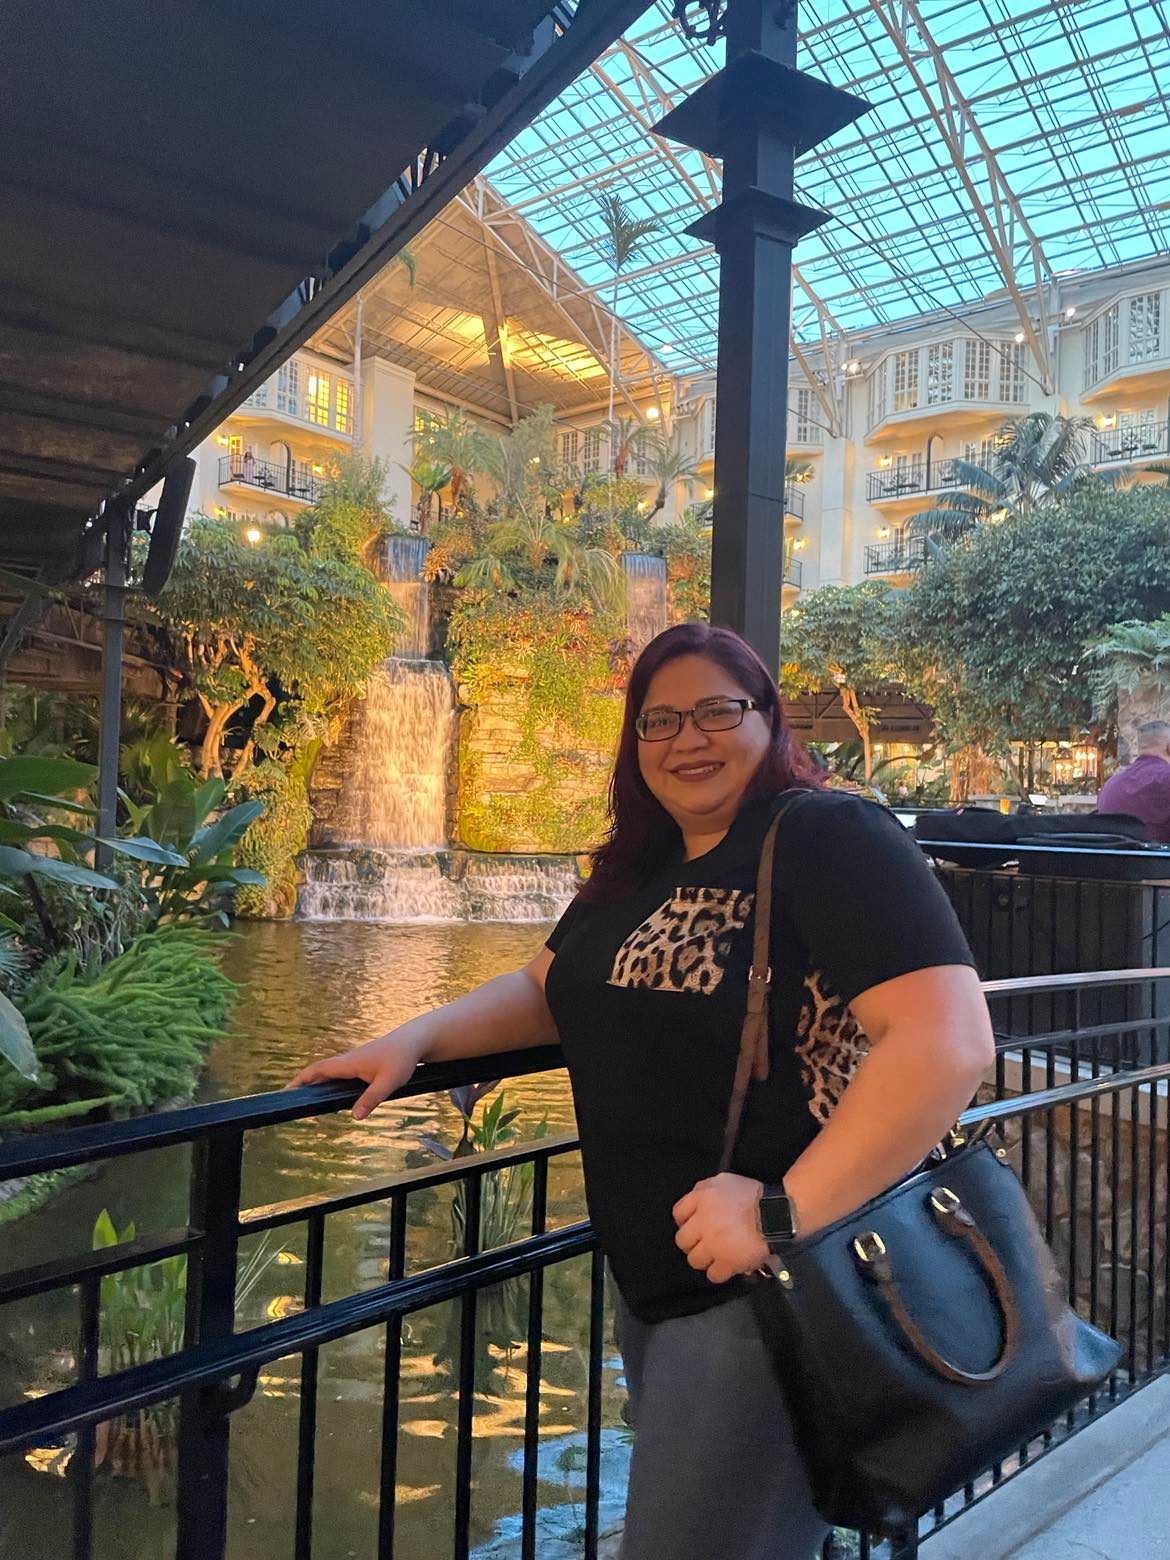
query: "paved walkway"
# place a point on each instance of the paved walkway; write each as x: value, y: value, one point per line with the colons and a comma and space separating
x: 1104, y: 1495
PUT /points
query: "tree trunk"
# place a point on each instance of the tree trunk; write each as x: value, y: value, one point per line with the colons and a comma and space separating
x: 250, y: 746
x: 210, y: 760
x: 852, y: 707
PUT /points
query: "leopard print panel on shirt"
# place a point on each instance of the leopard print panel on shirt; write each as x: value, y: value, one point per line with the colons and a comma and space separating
x: 830, y: 1043
x: 684, y: 945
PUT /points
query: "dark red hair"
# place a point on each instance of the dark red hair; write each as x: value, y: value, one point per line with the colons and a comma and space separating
x: 642, y: 834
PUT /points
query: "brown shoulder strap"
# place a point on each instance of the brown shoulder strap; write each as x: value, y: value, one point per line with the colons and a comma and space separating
x: 753, y: 1044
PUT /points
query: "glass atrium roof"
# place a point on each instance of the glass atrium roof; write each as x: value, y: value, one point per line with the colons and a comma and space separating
x: 1006, y: 140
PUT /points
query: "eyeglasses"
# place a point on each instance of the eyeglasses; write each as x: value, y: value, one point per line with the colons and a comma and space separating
x: 708, y: 715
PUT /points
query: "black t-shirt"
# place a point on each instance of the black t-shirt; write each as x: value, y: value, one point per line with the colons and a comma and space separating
x: 648, y: 994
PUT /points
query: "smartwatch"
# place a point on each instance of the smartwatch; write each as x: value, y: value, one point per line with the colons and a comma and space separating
x: 777, y: 1218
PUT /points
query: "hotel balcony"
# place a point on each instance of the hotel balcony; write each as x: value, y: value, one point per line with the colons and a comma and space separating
x: 962, y: 381
x: 891, y: 484
x: 793, y: 571
x: 902, y: 555
x: 305, y: 396
x: 1130, y: 445
x: 1127, y: 348
x: 794, y: 501
x: 291, y: 482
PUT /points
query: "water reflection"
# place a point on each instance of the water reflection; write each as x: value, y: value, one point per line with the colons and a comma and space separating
x: 310, y: 987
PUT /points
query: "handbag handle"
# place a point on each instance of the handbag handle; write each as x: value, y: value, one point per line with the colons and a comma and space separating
x: 874, y: 1261
x: 753, y: 1041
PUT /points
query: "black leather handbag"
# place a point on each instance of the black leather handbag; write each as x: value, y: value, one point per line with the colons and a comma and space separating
x: 926, y: 1336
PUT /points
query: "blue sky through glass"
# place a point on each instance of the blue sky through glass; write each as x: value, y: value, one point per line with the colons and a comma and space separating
x: 1069, y: 98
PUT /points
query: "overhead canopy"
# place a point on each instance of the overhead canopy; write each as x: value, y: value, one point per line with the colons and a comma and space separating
x: 189, y: 189
x: 1010, y: 142
x: 492, y: 318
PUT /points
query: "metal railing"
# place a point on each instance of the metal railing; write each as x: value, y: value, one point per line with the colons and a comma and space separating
x: 897, y: 556
x: 1085, y: 1127
x: 271, y: 476
x: 904, y: 481
x: 794, y: 500
x: 1141, y: 441
x: 793, y: 570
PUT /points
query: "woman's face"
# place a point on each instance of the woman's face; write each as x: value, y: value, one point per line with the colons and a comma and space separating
x: 700, y: 776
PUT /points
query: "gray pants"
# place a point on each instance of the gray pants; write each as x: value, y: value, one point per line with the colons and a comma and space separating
x: 714, y: 1473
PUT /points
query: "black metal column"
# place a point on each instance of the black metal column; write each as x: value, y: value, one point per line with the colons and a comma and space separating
x: 110, y: 731
x: 757, y: 114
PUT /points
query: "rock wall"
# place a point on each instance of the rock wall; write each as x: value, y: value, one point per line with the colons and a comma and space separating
x: 525, y: 787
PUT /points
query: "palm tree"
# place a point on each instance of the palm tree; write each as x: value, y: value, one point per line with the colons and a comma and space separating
x: 668, y: 465
x: 1129, y: 658
x: 430, y: 477
x: 623, y: 433
x: 797, y: 471
x: 1035, y: 461
x: 457, y: 443
x: 623, y: 241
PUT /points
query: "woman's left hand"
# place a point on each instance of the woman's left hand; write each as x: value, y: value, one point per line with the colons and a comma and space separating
x: 718, y: 1226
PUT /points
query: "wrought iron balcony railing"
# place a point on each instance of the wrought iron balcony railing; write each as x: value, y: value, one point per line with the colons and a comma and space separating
x: 1090, y: 1145
x: 793, y: 570
x: 896, y: 557
x: 794, y: 500
x: 904, y: 481
x: 1138, y: 441
x: 270, y: 476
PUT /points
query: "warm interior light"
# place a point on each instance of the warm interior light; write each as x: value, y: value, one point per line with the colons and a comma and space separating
x: 708, y: 492
x: 886, y: 460
x: 1070, y: 312
x: 883, y: 530
x: 317, y: 470
x: 641, y: 505
x: 1019, y: 337
x: 222, y: 438
x: 220, y: 512
x: 254, y: 535
x: 652, y: 413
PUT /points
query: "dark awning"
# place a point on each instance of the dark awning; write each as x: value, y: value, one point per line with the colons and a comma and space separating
x: 187, y: 188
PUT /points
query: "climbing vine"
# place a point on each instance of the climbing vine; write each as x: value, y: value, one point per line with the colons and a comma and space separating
x: 551, y: 678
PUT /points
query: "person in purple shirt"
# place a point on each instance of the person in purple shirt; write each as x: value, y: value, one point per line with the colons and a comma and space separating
x: 1142, y: 789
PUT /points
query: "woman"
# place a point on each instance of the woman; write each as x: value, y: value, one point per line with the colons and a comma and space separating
x: 643, y: 981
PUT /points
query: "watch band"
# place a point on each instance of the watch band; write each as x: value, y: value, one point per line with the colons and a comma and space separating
x: 777, y: 1218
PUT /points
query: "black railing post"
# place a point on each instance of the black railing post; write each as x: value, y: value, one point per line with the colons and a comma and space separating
x: 204, y: 1425
x: 756, y: 114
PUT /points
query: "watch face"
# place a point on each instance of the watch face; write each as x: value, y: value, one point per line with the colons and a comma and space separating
x: 776, y: 1217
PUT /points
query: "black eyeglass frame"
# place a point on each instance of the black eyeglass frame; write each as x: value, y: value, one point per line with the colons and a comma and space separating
x: 693, y: 712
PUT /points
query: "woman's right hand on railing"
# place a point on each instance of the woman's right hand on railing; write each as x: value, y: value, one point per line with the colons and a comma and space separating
x: 384, y: 1065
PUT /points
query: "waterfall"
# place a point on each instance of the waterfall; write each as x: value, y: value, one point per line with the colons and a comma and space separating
x: 401, y: 571
x: 374, y: 885
x: 646, y: 613
x: 394, y: 776
x: 380, y: 841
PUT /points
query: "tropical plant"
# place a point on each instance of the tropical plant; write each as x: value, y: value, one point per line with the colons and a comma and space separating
x: 798, y: 471
x: 1035, y: 461
x: 254, y: 628
x: 199, y: 872
x: 995, y: 631
x: 504, y: 1209
x: 456, y: 443
x: 352, y: 513
x: 124, y: 1035
x: 1125, y: 659
x: 686, y: 546
x: 430, y: 477
x: 143, y: 1318
x: 845, y: 637
x: 668, y: 465
x: 623, y: 240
